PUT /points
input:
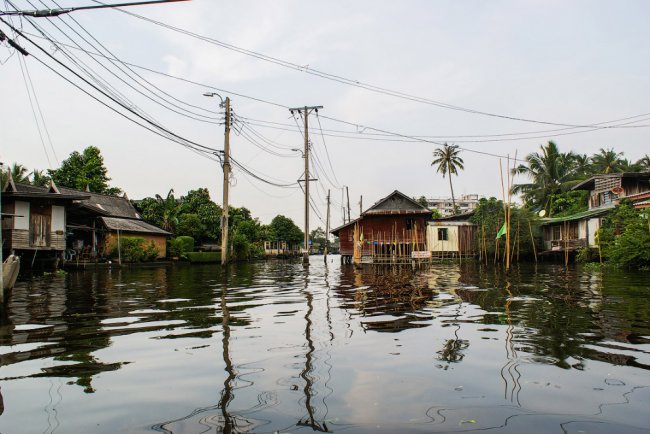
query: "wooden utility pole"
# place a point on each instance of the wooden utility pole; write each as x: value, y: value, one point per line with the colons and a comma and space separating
x: 226, y: 183
x: 306, y: 111
x: 327, y: 227
x: 360, y: 204
x: 348, y: 193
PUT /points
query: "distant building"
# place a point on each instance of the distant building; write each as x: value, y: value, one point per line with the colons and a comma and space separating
x: 465, y: 204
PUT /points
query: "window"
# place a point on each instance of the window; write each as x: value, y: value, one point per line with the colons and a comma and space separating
x: 410, y: 223
x: 443, y: 234
x: 557, y: 234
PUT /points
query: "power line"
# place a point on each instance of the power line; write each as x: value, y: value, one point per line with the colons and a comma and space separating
x: 345, y: 80
x: 57, y: 12
x: 360, y: 133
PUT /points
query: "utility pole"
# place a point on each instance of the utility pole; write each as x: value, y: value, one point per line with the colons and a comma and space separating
x: 360, y: 204
x: 226, y: 183
x: 327, y: 227
x: 348, y: 193
x: 306, y: 111
x: 226, y: 177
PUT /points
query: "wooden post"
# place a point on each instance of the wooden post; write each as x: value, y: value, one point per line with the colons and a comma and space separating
x: 532, y: 240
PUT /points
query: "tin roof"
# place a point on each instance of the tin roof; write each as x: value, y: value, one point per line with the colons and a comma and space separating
x: 127, y: 225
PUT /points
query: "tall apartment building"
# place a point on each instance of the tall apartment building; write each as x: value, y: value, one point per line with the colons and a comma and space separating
x: 464, y: 203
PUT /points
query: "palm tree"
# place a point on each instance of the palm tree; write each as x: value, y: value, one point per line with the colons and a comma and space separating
x: 550, y: 171
x: 607, y: 161
x: 448, y: 162
x: 644, y: 163
x: 39, y: 178
x: 582, y: 164
x: 18, y: 174
x: 169, y: 209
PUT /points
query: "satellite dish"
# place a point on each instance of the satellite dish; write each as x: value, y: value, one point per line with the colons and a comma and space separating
x: 542, y: 213
x: 617, y: 190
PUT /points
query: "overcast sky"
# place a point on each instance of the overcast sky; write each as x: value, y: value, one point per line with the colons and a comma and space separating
x: 575, y: 63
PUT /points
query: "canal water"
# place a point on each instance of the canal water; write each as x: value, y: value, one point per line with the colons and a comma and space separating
x: 276, y: 347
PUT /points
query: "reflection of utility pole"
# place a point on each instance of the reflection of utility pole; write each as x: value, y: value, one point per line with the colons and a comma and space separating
x: 305, y: 112
x: 226, y: 394
x: 327, y: 227
x: 226, y: 178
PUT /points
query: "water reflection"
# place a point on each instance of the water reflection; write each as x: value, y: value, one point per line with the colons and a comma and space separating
x: 276, y: 347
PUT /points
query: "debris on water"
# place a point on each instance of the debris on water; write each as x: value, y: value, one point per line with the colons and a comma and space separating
x: 614, y: 382
x: 294, y: 387
x: 467, y: 421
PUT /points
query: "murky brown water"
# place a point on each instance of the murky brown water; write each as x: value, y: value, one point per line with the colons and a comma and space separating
x: 276, y: 347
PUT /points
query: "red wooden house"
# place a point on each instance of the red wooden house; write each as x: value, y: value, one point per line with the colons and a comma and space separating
x: 392, y: 230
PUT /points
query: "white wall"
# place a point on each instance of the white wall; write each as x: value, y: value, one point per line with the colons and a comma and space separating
x: 58, y: 218
x: 592, y: 227
x: 436, y: 245
x: 22, y: 210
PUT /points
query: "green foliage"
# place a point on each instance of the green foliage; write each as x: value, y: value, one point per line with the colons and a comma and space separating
x: 203, y: 257
x: 241, y: 247
x: 625, y: 237
x: 284, y: 229
x: 40, y: 179
x: 569, y: 203
x: 586, y: 255
x: 447, y: 161
x: 84, y: 169
x: 209, y: 213
x: 135, y: 249
x: 180, y: 246
x: 436, y: 214
x: 489, y: 218
x: 422, y: 201
x: 190, y: 225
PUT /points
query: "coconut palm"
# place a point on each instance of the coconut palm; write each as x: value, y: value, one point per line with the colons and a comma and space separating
x: 644, y: 163
x: 607, y: 161
x: 550, y: 171
x: 39, y: 178
x: 18, y: 172
x: 583, y: 166
x: 448, y: 163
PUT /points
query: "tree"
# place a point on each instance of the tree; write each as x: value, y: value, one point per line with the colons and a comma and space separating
x: 84, y: 170
x: 436, y: 214
x: 625, y: 237
x: 318, y: 237
x: 190, y: 225
x: 644, y: 163
x: 284, y: 229
x: 168, y: 209
x: 209, y: 213
x: 422, y: 201
x: 607, y: 161
x: 448, y: 163
x: 40, y: 179
x: 19, y: 173
x: 550, y: 171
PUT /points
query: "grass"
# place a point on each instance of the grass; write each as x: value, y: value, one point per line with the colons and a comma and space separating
x: 203, y: 257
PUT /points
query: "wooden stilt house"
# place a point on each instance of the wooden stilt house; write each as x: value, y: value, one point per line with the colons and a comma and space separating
x: 393, y: 230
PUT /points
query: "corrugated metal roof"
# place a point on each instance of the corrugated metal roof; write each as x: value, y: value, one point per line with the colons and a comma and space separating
x: 127, y: 225
x: 578, y: 216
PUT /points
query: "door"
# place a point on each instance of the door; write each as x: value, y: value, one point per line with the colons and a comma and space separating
x: 40, y: 230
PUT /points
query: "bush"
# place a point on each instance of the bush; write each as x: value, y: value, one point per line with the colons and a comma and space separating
x: 133, y: 249
x: 179, y: 246
x: 625, y: 237
x: 241, y: 247
x: 203, y: 257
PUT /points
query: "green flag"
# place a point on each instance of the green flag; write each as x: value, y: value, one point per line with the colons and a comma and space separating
x: 502, y: 231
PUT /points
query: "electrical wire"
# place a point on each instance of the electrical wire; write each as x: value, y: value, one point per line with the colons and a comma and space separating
x: 342, y: 79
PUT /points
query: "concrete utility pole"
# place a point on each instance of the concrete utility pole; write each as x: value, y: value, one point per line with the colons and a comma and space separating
x: 327, y: 227
x: 226, y: 177
x: 360, y: 205
x: 306, y: 111
x: 226, y: 183
x: 348, y: 193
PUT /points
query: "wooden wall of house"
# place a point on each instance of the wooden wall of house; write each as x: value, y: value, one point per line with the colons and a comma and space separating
x: 386, y: 228
x: 160, y: 241
x: 345, y: 240
x: 635, y: 186
x: 19, y: 231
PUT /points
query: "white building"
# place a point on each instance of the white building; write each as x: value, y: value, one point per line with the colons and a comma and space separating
x: 465, y: 203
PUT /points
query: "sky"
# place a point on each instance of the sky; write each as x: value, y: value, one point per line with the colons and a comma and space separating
x: 523, y: 73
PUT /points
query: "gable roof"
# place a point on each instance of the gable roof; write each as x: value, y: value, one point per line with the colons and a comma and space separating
x: 396, y: 203
x: 19, y: 190
x: 105, y: 204
x: 578, y: 216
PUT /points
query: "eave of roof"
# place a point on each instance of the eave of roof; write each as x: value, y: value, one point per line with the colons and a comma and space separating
x: 578, y: 216
x: 592, y: 180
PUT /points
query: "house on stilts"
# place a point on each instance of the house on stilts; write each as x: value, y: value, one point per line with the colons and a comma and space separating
x: 391, y: 231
